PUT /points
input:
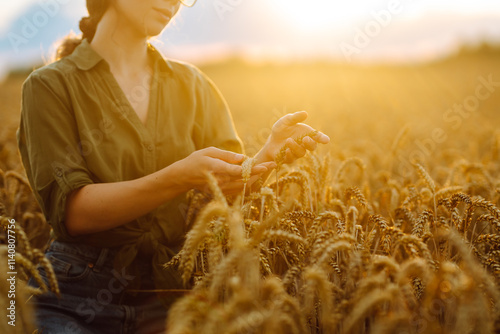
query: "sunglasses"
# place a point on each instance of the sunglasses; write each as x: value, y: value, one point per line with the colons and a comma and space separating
x: 188, y: 3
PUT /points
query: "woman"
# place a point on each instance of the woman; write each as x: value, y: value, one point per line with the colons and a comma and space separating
x: 112, y: 136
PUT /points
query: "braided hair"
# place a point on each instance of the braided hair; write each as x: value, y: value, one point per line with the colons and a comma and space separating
x: 88, y: 27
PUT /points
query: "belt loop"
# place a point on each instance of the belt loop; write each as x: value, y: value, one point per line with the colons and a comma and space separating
x: 101, y: 259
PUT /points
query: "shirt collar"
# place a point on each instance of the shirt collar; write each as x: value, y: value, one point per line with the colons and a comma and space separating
x: 86, y: 58
x: 161, y: 65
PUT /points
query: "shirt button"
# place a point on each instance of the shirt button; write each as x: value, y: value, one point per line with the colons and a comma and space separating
x: 59, y: 172
x: 149, y: 147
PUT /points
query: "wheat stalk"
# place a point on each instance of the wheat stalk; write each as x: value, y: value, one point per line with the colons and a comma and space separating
x: 246, y: 172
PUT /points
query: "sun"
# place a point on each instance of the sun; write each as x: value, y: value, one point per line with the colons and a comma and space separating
x: 313, y: 16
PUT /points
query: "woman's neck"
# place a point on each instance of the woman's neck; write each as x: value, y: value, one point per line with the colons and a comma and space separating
x: 120, y: 45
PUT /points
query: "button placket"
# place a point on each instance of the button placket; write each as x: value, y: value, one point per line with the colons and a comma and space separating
x: 149, y: 156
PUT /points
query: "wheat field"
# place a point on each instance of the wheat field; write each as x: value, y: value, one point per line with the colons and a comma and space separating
x: 391, y: 228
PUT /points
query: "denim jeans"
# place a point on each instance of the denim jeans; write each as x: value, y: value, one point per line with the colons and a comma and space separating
x: 94, y: 297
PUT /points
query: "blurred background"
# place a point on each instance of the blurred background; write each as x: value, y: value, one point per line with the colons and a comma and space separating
x: 399, y: 31
x: 367, y: 71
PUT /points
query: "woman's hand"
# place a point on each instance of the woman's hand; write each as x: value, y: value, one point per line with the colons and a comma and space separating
x: 284, y: 133
x: 103, y: 206
x: 224, y: 165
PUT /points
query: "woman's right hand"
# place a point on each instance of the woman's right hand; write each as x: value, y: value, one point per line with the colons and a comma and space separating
x: 103, y: 206
x: 224, y: 165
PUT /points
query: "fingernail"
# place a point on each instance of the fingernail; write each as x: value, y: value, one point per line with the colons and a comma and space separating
x: 240, y: 156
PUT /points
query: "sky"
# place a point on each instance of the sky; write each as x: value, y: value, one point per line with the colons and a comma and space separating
x: 349, y: 31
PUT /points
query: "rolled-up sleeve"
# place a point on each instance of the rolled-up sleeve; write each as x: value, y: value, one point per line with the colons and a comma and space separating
x: 50, y: 146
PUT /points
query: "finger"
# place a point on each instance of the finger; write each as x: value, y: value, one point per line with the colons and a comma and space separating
x: 264, y: 167
x: 223, y: 178
x: 297, y: 150
x: 252, y: 181
x: 309, y: 144
x: 227, y: 156
x: 321, y: 138
x: 269, y: 165
x: 289, y: 156
x: 291, y: 119
x: 259, y: 169
x: 220, y: 167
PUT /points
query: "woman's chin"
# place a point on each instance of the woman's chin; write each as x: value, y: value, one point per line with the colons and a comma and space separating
x: 155, y: 29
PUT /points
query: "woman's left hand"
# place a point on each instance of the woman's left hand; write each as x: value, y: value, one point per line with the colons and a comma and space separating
x: 285, y: 131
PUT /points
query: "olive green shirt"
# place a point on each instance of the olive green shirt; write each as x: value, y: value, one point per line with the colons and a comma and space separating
x: 78, y: 127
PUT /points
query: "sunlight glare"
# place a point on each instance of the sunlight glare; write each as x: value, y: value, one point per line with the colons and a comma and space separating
x: 314, y: 16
